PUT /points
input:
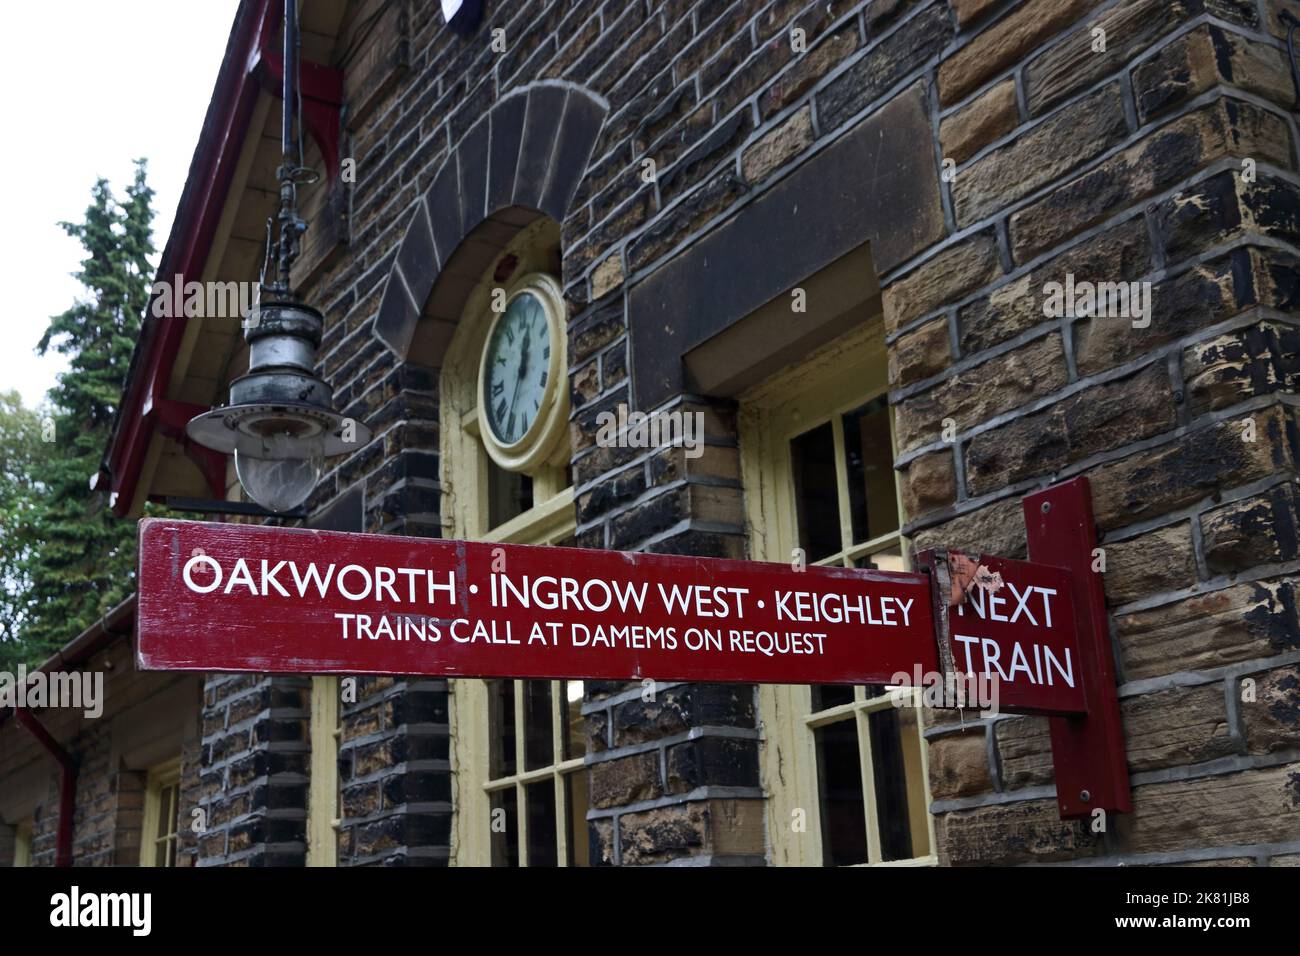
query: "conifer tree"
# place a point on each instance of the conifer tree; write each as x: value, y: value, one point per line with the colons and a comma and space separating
x: 80, y: 557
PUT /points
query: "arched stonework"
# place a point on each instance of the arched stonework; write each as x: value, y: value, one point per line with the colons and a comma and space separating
x: 527, y: 156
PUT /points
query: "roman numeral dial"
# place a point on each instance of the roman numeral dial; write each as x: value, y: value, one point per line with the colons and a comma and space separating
x: 520, y: 386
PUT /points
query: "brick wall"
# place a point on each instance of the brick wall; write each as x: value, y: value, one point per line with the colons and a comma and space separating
x: 1032, y: 157
x: 674, y: 773
x: 394, y: 771
x: 253, y: 780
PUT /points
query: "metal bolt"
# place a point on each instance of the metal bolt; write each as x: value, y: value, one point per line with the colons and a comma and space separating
x: 1085, y: 796
x: 1046, y: 507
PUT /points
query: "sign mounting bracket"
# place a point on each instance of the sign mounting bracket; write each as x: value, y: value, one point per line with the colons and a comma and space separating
x: 1087, y: 752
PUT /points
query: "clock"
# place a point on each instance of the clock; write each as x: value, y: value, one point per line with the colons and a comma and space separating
x: 523, y: 387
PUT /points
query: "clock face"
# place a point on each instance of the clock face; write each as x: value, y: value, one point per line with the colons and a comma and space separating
x: 516, y: 368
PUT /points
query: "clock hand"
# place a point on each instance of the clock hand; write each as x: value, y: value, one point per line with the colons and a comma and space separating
x: 519, y: 379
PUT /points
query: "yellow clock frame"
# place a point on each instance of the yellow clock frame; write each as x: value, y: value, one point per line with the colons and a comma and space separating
x: 541, y: 443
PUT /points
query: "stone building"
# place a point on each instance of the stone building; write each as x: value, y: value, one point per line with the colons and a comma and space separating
x: 836, y: 231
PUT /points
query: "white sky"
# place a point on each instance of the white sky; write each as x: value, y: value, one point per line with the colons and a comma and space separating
x: 88, y: 87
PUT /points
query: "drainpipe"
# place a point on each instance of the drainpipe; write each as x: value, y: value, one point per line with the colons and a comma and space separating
x: 67, y: 784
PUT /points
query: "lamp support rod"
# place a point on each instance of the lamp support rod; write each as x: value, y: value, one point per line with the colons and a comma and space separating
x: 291, y: 226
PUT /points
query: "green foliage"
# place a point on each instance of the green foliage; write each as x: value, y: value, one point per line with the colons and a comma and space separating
x: 77, y: 559
x: 20, y: 447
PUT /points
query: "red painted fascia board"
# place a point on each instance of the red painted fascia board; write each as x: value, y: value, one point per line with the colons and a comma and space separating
x: 190, y: 241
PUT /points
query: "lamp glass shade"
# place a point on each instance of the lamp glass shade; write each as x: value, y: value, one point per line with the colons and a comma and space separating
x: 285, y: 475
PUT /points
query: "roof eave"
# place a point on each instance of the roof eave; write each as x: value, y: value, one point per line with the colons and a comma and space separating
x: 207, y: 184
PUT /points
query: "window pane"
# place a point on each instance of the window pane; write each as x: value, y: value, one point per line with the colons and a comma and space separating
x: 843, y: 810
x: 826, y: 696
x: 891, y: 559
x: 812, y: 457
x: 542, y: 848
x: 575, y: 792
x: 539, y: 733
x: 509, y: 494
x: 575, y: 738
x: 890, y: 781
x: 501, y: 727
x: 872, y: 499
x: 505, y: 828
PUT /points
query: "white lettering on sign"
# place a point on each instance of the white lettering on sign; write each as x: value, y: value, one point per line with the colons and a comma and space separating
x: 1005, y: 645
x: 353, y: 582
x: 552, y: 593
x: 703, y: 601
x: 694, y: 605
x: 810, y: 608
x: 990, y: 606
x: 1045, y: 661
x: 395, y: 627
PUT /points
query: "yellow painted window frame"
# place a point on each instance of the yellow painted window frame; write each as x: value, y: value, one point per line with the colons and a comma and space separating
x: 559, y: 771
x: 836, y: 379
x: 324, y: 802
x: 466, y: 515
x: 551, y: 519
x: 161, y: 797
x: 23, y: 844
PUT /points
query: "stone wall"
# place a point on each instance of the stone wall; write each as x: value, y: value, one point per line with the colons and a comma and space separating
x: 109, y: 804
x: 1122, y: 165
x: 674, y: 773
x: 394, y: 771
x: 254, y: 778
x: 1169, y: 158
x: 145, y: 719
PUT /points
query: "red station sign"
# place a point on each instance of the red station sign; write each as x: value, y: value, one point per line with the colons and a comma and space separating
x: 221, y: 597
x: 1029, y: 635
x: 1011, y: 623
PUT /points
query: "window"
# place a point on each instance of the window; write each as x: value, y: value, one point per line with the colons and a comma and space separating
x: 537, y: 782
x: 521, y: 784
x: 159, y: 841
x: 845, y: 768
x: 518, y: 746
x: 323, y: 801
x: 23, y: 844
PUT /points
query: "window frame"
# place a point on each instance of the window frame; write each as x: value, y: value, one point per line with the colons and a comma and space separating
x: 559, y: 770
x: 160, y: 780
x: 23, y: 844
x: 465, y: 473
x: 545, y: 523
x: 324, y: 801
x: 800, y: 398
